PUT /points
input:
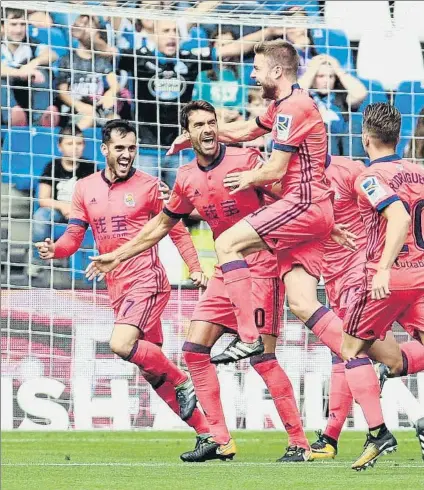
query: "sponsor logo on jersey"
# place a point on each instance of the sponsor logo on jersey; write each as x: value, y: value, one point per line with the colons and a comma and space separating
x: 129, y: 200
x: 373, y: 190
x: 283, y: 123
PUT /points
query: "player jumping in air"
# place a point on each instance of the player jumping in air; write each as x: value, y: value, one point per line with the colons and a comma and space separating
x: 199, y: 186
x: 343, y: 272
x: 296, y: 226
x: 117, y: 202
x: 391, y: 203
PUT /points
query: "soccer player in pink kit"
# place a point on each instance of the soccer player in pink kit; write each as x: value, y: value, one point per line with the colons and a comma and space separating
x: 199, y: 186
x: 343, y: 272
x: 391, y: 203
x: 117, y: 202
x: 294, y: 227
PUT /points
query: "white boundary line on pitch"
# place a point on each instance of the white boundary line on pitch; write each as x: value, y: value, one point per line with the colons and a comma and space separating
x: 183, y: 465
x: 136, y: 440
x: 188, y: 465
x: 133, y: 440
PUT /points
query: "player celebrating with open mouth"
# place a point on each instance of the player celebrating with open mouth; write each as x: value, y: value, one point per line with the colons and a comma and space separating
x: 199, y: 186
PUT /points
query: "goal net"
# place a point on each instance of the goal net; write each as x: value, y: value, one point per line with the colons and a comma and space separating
x: 76, y: 64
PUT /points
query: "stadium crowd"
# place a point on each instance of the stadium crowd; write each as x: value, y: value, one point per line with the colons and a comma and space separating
x: 65, y: 75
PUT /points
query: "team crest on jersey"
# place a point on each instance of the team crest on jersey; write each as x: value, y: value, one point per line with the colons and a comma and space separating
x: 129, y: 200
x: 373, y: 190
x: 283, y: 123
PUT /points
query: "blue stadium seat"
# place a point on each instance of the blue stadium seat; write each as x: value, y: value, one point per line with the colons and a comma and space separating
x: 93, y: 141
x: 334, y: 43
x: 409, y: 100
x: 27, y: 150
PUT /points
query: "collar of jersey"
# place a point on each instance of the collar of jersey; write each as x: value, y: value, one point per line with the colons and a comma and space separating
x: 294, y: 86
x: 109, y: 183
x: 217, y: 160
x: 387, y: 158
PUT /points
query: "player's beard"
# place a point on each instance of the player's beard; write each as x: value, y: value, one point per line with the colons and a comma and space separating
x: 119, y: 172
x: 269, y: 90
x: 209, y: 153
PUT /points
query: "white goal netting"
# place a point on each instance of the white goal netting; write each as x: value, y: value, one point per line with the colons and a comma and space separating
x: 76, y: 64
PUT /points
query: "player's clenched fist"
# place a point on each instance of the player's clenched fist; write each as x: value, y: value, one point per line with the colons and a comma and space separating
x: 239, y: 181
x: 45, y: 249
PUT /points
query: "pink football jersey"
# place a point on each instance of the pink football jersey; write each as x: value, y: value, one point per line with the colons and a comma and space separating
x: 390, y: 179
x: 201, y: 188
x: 342, y: 173
x: 116, y: 212
x: 297, y: 127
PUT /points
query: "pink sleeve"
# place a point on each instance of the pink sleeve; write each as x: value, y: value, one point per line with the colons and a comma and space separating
x: 182, y: 240
x: 69, y: 242
x: 266, y: 121
x: 374, y: 190
x: 78, y: 214
x: 78, y: 222
x: 293, y: 123
x: 178, y: 205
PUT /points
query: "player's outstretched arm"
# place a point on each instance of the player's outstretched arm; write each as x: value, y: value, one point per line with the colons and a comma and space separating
x: 235, y: 132
x: 398, y: 223
x: 273, y: 171
x: 66, y: 246
x: 150, y: 235
x: 184, y: 243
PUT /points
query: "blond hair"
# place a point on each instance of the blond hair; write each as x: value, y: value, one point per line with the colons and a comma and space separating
x: 280, y: 53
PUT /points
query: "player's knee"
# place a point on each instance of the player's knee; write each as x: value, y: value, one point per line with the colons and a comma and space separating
x: 299, y: 307
x: 121, y: 347
x: 224, y: 244
x: 348, y: 352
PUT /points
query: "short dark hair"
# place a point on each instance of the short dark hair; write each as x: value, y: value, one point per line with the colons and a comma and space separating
x: 195, y: 105
x: 280, y: 53
x: 382, y: 121
x: 120, y: 125
x: 69, y: 131
x: 12, y: 13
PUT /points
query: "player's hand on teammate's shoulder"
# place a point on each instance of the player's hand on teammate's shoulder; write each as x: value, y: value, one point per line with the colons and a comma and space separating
x: 100, y: 265
x: 239, y: 181
x: 380, y: 284
x: 45, y: 249
x: 199, y: 279
x: 180, y: 143
x: 344, y: 237
x: 164, y: 191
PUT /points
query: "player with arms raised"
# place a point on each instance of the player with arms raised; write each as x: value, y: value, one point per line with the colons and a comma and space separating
x: 199, y: 186
x: 117, y: 202
x: 391, y: 203
x: 296, y: 226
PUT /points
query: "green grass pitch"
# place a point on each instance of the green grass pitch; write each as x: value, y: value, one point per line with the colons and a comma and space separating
x: 150, y: 460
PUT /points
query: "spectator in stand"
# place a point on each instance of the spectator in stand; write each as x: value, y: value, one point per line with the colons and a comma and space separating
x: 222, y: 85
x: 336, y: 93
x: 57, y: 185
x: 24, y: 69
x: 415, y: 148
x: 256, y: 107
x: 166, y: 74
x: 87, y: 84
